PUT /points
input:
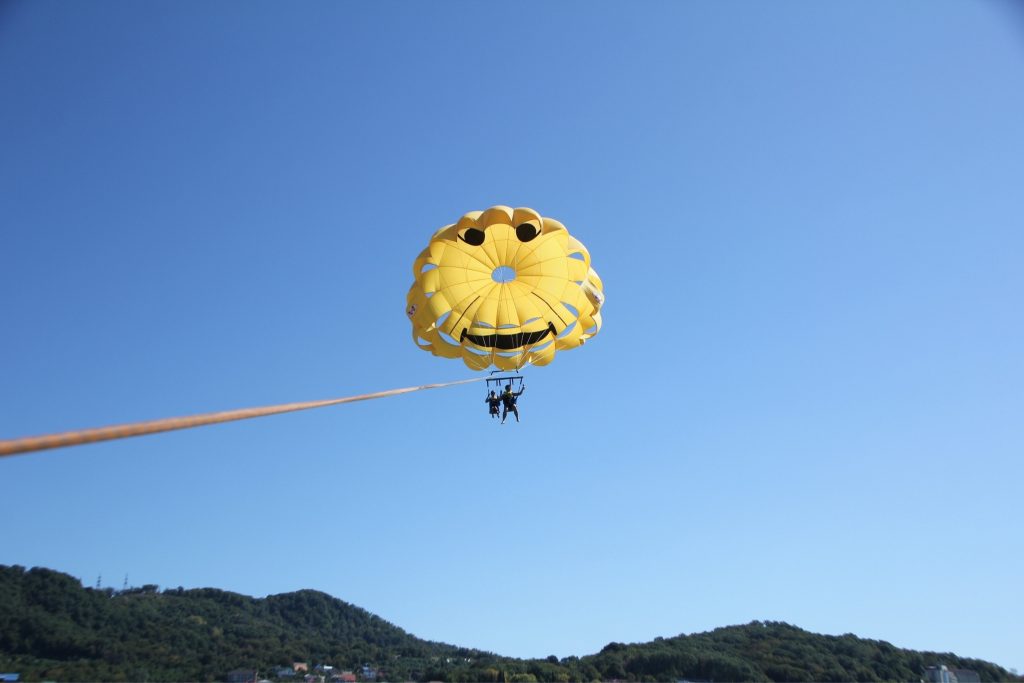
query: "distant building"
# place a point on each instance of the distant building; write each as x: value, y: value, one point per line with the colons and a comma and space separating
x: 344, y: 677
x: 300, y: 666
x: 242, y: 676
x: 9, y: 677
x: 943, y: 674
x: 939, y: 674
x: 284, y: 672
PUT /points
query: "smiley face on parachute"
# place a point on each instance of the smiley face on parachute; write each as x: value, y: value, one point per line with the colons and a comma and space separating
x: 504, y: 287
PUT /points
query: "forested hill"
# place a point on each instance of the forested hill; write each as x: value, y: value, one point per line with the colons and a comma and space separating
x: 774, y: 651
x: 51, y: 628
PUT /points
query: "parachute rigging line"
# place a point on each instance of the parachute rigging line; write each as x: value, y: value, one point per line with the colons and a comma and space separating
x: 39, y: 443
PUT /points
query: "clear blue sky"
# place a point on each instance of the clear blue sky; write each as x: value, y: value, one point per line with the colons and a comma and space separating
x: 806, y: 402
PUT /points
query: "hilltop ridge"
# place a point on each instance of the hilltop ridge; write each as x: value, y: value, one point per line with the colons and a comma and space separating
x: 53, y: 628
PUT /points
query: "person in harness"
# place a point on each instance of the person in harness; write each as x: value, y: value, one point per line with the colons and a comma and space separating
x: 508, y: 399
x: 493, y: 401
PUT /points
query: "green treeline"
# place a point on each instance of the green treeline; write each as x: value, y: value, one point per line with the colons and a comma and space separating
x: 51, y: 628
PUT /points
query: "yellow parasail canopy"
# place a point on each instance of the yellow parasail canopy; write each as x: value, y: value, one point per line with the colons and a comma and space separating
x: 503, y: 287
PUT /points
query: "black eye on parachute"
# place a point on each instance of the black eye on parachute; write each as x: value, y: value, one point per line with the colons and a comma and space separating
x: 526, y: 232
x: 472, y: 237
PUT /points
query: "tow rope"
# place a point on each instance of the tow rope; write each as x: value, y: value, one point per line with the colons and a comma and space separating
x: 29, y: 444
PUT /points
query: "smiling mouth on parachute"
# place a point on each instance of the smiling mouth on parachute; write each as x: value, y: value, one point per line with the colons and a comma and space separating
x: 507, y: 342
